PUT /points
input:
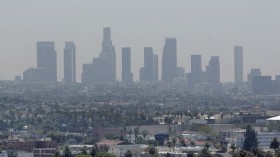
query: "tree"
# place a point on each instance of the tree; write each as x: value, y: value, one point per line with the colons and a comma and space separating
x: 207, y: 145
x: 169, y: 144
x: 190, y: 154
x: 192, y: 143
x: 269, y: 154
x: 128, y: 154
x: 206, y: 129
x: 182, y: 141
x: 145, y: 133
x: 57, y: 154
x: 204, y: 153
x: 251, y: 139
x: 104, y: 154
x: 67, y: 152
x: 136, y: 131
x: 93, y: 151
x: 84, y: 150
x: 233, y: 147
x: 244, y: 153
x: 152, y: 151
x: 277, y: 153
x: 174, y: 140
x: 274, y: 143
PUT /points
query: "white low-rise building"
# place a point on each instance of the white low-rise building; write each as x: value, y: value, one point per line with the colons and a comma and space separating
x: 120, y: 150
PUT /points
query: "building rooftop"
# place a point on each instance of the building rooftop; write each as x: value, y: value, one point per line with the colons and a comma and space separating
x: 274, y: 118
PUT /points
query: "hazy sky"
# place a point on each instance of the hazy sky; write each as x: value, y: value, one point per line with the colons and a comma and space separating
x: 206, y: 27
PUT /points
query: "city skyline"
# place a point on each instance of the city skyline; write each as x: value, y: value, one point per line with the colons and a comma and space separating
x: 213, y: 31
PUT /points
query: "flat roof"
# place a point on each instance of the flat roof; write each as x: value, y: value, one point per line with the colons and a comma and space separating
x: 274, y: 118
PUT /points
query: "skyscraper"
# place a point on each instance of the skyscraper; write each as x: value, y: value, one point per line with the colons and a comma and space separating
x: 238, y: 64
x: 169, y: 59
x: 155, y: 67
x: 103, y: 68
x: 70, y: 62
x: 213, y: 70
x: 196, y: 70
x: 148, y: 64
x: 127, y: 76
x: 46, y: 59
x: 109, y: 56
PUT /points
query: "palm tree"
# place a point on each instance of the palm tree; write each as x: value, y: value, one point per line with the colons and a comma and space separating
x: 174, y: 140
x: 233, y: 147
x: 136, y: 131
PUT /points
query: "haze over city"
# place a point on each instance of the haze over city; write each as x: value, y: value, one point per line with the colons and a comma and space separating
x: 208, y: 28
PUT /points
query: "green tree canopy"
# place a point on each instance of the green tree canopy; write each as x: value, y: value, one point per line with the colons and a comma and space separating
x: 274, y: 143
x: 251, y: 139
x: 204, y: 153
x: 128, y: 154
x: 104, y: 154
x: 67, y: 152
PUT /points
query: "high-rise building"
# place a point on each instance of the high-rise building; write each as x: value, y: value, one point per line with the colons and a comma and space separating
x: 253, y: 73
x: 148, y: 64
x: 35, y: 75
x: 88, y: 73
x: 104, y: 66
x: 213, y: 70
x: 127, y: 76
x: 196, y: 70
x: 169, y: 59
x: 238, y: 64
x: 141, y: 74
x: 155, y: 67
x: 70, y: 62
x: 262, y: 84
x: 46, y: 59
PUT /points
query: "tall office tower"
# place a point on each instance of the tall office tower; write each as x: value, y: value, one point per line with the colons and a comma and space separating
x: 196, y: 70
x: 46, y: 59
x: 127, y: 76
x: 148, y: 64
x: 103, y: 68
x: 155, y: 77
x: 70, y: 62
x: 141, y: 74
x: 213, y: 70
x: 169, y: 59
x: 109, y: 56
x: 238, y: 64
x: 253, y: 73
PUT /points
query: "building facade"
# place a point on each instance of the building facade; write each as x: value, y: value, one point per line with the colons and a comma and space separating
x: 169, y: 59
x: 70, y: 62
x: 238, y: 64
x: 196, y: 70
x: 148, y: 64
x: 213, y: 70
x: 127, y: 75
x: 47, y: 59
x: 103, y: 68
